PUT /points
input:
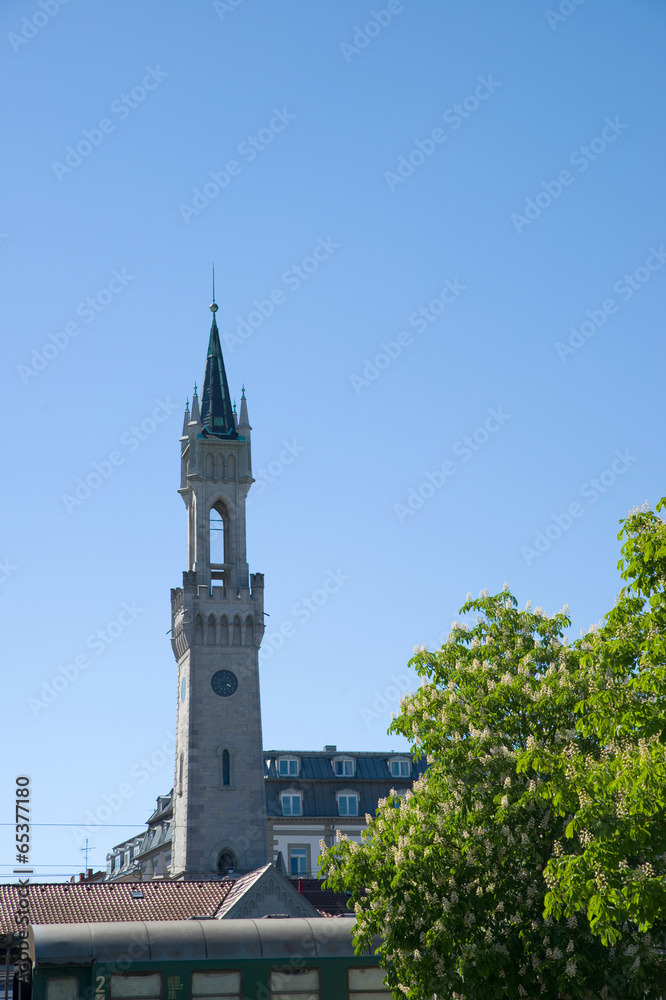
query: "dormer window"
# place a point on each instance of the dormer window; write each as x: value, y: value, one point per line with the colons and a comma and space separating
x: 344, y: 767
x: 292, y: 803
x: 288, y: 767
x: 347, y: 803
x: 400, y: 767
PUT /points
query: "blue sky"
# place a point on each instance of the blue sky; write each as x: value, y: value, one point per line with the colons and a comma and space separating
x: 461, y: 386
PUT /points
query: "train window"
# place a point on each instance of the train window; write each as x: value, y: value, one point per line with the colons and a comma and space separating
x: 367, y: 984
x: 139, y: 987
x: 62, y: 989
x: 217, y: 985
x: 295, y: 984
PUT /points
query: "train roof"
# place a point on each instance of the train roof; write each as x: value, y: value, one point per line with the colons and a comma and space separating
x: 191, y: 940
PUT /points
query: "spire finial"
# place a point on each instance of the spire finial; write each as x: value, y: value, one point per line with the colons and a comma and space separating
x: 187, y: 403
x: 243, y: 396
x: 234, y: 407
x: 213, y: 305
x: 195, y: 388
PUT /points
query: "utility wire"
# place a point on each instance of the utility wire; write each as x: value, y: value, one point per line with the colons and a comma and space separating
x: 122, y: 826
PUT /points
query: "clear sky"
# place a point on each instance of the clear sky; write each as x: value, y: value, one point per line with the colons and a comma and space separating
x: 457, y: 209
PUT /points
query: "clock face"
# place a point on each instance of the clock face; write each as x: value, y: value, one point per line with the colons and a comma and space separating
x: 224, y: 683
x: 183, y: 689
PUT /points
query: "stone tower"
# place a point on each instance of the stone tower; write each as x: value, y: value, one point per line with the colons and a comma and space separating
x: 217, y: 624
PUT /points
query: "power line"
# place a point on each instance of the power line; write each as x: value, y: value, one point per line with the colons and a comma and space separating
x: 122, y: 826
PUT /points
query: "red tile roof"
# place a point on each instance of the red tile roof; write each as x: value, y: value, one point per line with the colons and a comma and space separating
x: 71, y: 903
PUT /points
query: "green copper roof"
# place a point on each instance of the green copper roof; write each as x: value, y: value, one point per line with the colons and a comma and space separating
x: 216, y: 412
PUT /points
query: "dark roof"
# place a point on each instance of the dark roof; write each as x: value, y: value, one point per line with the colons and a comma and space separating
x: 164, y: 808
x: 319, y: 784
x: 319, y: 799
x: 328, y: 902
x: 83, y: 902
x: 317, y: 765
x: 217, y: 414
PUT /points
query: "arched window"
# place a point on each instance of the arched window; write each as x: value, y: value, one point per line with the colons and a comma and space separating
x: 226, y: 776
x: 216, y: 524
x: 231, y: 467
x: 198, y: 630
x: 249, y: 631
x: 224, y: 631
x: 210, y: 631
x: 237, y: 631
x: 181, y: 763
x: 226, y: 862
x: 220, y: 466
x: 210, y: 466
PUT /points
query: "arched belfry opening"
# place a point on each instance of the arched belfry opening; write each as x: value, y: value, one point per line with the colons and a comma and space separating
x: 218, y: 534
x: 226, y: 862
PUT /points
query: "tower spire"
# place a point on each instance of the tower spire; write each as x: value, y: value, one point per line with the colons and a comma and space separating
x: 216, y: 411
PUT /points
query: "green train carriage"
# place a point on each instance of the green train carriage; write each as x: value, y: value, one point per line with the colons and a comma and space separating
x: 203, y: 959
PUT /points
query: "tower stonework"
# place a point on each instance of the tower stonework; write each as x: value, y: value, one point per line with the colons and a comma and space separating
x: 217, y: 621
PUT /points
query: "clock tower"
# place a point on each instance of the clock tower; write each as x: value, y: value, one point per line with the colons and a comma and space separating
x: 219, y: 807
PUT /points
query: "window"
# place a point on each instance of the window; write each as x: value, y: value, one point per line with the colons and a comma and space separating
x: 216, y: 538
x: 348, y: 804
x: 344, y: 767
x: 216, y: 985
x: 62, y: 989
x: 291, y: 804
x: 298, y: 860
x: 302, y: 984
x: 367, y: 983
x: 225, y: 767
x: 400, y: 768
x: 140, y: 986
x: 226, y: 862
x: 287, y: 767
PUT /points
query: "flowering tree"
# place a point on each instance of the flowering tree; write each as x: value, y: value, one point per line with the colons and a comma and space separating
x: 528, y: 860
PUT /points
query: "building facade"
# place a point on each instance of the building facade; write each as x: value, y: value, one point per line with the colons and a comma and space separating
x: 234, y: 807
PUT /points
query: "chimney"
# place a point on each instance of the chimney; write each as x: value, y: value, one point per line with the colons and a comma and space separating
x: 89, y: 872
